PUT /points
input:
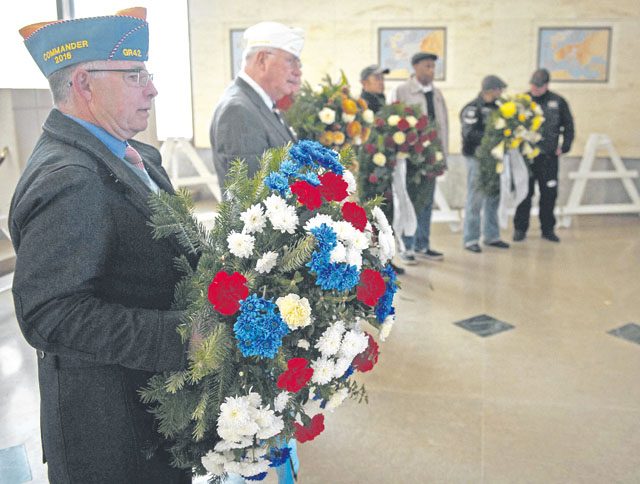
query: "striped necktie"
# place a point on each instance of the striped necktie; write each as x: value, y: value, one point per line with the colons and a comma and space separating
x: 133, y: 157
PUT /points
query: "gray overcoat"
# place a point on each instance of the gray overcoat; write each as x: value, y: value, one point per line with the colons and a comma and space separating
x: 93, y: 292
x: 243, y: 127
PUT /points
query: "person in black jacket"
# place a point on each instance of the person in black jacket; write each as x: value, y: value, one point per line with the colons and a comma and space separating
x: 473, y: 119
x: 92, y: 287
x: 558, y: 124
x: 372, y: 79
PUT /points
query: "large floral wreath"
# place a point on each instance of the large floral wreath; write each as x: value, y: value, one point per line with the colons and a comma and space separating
x: 290, y: 283
x: 514, y: 125
x: 399, y: 130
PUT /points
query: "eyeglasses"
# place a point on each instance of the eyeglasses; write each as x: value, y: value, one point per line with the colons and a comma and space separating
x: 132, y: 77
x: 293, y: 62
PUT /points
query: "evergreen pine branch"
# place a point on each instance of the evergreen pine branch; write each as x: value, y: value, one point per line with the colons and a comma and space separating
x: 154, y: 391
x: 199, y: 415
x: 175, y: 381
x: 212, y: 354
x: 298, y: 255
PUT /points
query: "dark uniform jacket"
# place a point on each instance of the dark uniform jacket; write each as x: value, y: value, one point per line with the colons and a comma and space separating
x: 558, y: 121
x: 93, y: 292
x: 473, y: 119
x: 243, y: 127
x: 374, y: 101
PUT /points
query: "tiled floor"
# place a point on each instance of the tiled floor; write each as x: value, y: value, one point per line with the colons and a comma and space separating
x: 555, y: 399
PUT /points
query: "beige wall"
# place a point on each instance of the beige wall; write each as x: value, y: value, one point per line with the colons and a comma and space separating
x: 483, y: 37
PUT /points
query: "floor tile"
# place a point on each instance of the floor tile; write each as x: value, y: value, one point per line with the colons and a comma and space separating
x: 630, y: 332
x: 484, y: 325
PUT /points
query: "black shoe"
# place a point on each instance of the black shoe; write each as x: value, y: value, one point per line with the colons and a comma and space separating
x: 499, y: 244
x: 433, y: 254
x: 399, y: 270
x: 519, y: 235
x: 551, y: 237
x: 473, y: 248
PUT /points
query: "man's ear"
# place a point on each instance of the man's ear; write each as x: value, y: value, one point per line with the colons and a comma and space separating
x: 81, y: 85
x: 261, y: 58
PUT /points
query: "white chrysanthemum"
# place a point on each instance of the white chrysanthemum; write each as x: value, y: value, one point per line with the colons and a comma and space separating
x: 368, y: 116
x: 357, y: 140
x: 500, y: 123
x: 284, y: 220
x: 303, y: 343
x: 426, y: 143
x: 295, y: 310
x: 336, y: 399
x: 341, y: 366
x: 317, y: 221
x: 235, y: 420
x: 353, y: 343
x: 254, y: 399
x: 327, y: 115
x: 386, y: 246
x: 354, y: 257
x: 411, y: 120
x: 347, y: 118
x: 281, y: 401
x: 249, y: 466
x: 439, y: 156
x: 339, y: 253
x: 214, y: 462
x: 379, y: 159
x: 240, y: 245
x: 380, y: 220
x: 359, y: 240
x: 329, y: 342
x: 352, y: 185
x: 270, y: 424
x: 254, y: 219
x: 345, y: 232
x: 274, y: 203
x: 393, y: 120
x: 323, y: 369
x: 266, y: 262
x: 387, y: 326
x: 226, y: 445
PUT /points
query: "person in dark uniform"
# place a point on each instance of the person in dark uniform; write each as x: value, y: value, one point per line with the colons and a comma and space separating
x: 92, y: 287
x: 473, y: 119
x: 557, y: 126
x: 372, y: 79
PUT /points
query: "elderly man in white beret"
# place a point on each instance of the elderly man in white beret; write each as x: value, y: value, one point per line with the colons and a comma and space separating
x: 246, y: 121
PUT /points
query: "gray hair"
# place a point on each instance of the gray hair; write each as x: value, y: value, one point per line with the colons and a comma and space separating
x: 249, y: 53
x: 60, y: 81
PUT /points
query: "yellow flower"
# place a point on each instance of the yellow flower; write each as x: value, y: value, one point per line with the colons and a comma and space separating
x: 366, y: 132
x: 338, y: 137
x: 411, y: 120
x: 507, y: 133
x: 522, y: 117
x: 354, y: 128
x: 379, y: 159
x: 399, y: 137
x: 533, y: 105
x: 349, y: 106
x: 326, y: 138
x: 515, y: 142
x: 536, y: 122
x: 393, y: 120
x: 534, y: 153
x: 499, y: 167
x: 295, y: 311
x: 363, y: 104
x: 508, y: 109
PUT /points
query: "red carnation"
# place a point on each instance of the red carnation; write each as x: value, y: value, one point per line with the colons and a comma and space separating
x: 366, y: 360
x: 423, y: 138
x: 333, y: 187
x: 431, y: 135
x: 418, y: 148
x: 373, y: 178
x: 296, y: 376
x: 370, y: 148
x: 226, y: 291
x: 284, y: 103
x: 355, y: 215
x: 404, y: 148
x: 315, y: 428
x: 408, y: 110
x: 371, y: 287
x: 412, y: 137
x: 379, y: 123
x: 307, y: 194
x: 403, y: 125
x: 422, y: 123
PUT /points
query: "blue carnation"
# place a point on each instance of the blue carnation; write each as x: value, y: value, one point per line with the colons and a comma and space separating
x: 278, y: 182
x: 259, y: 328
x: 289, y: 168
x: 330, y: 275
x: 311, y: 153
x: 278, y: 456
x: 385, y: 307
x: 325, y: 236
x: 309, y: 177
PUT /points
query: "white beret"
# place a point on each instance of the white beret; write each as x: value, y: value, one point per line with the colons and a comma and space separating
x: 274, y: 34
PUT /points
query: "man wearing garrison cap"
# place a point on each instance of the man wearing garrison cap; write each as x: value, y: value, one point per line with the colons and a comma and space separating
x: 92, y: 288
x: 419, y: 90
x: 246, y: 121
x: 473, y: 119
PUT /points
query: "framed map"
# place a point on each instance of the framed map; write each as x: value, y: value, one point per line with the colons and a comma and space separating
x: 235, y: 41
x: 396, y: 45
x: 575, y: 54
